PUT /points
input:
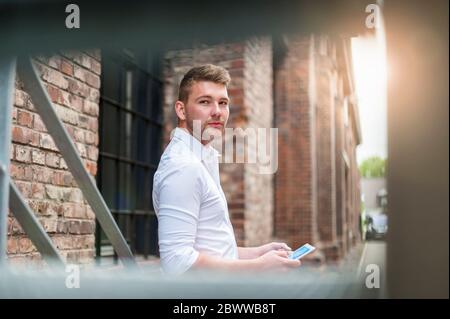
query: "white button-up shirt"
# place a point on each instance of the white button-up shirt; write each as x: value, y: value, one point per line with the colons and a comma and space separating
x: 190, y: 205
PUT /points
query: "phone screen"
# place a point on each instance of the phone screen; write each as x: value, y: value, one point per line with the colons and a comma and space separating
x: 301, y: 251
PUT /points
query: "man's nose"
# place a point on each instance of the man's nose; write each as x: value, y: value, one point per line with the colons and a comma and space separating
x: 215, y: 109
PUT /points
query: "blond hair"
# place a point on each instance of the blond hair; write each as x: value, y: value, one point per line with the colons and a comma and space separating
x: 207, y: 72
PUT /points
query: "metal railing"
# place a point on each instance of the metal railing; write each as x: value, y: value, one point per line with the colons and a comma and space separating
x: 42, y: 102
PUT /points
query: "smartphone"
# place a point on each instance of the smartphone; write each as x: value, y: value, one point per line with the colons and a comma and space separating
x: 302, y: 251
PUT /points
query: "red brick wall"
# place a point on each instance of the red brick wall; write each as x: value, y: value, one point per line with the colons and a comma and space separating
x: 315, y: 202
x: 294, y: 207
x: 72, y: 80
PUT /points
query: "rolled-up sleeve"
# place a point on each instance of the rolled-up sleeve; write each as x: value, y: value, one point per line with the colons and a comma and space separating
x: 179, y: 197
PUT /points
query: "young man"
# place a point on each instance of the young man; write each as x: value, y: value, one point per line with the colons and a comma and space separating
x: 194, y: 227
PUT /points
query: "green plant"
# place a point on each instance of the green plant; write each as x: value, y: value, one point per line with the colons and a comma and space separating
x: 373, y: 166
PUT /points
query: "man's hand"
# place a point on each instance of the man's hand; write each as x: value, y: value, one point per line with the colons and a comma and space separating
x: 276, y: 260
x: 255, y: 252
x: 273, y: 246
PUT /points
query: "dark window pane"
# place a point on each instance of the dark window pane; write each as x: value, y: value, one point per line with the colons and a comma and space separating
x: 111, y: 80
x: 131, y: 81
x: 109, y: 135
x: 140, y: 141
x: 154, y: 138
x: 108, y: 181
x: 123, y: 188
x: 125, y: 129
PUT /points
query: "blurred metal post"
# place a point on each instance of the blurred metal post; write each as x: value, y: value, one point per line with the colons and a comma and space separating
x: 33, y: 228
x: 43, y: 105
x: 7, y: 76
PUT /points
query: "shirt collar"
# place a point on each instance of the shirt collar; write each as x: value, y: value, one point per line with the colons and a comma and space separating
x: 201, y: 151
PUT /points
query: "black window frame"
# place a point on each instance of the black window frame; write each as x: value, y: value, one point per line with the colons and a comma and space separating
x: 130, y: 146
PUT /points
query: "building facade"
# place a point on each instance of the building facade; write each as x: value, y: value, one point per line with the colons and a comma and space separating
x: 118, y: 109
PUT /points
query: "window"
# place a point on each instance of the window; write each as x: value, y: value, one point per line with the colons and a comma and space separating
x: 130, y: 143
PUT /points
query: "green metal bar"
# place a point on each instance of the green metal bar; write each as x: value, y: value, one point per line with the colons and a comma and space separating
x: 7, y: 76
x: 43, y: 105
x: 33, y: 228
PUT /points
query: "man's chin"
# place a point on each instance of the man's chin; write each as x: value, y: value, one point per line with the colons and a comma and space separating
x: 212, y: 133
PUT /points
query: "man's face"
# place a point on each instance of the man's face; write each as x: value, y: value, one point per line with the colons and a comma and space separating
x: 208, y: 103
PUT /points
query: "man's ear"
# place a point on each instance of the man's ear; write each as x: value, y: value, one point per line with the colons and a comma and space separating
x: 180, y: 110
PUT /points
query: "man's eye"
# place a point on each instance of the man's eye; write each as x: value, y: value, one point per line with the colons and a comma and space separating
x: 224, y: 103
x: 204, y: 102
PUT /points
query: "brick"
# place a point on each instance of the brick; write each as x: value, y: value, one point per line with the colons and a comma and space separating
x: 63, y: 242
x: 93, y: 80
x: 76, y: 196
x: 83, y: 121
x: 25, y: 135
x: 66, y: 67
x: 38, y: 157
x: 19, y: 135
x: 62, y: 227
x: 91, y: 167
x: 79, y: 73
x: 85, y: 61
x: 87, y: 227
x: 14, y: 170
x: 53, y: 93
x: 56, y: 78
x: 12, y: 245
x: 23, y: 154
x: 37, y: 191
x: 52, y: 160
x: 236, y: 64
x: 92, y: 153
x: 93, y: 124
x: 90, y: 138
x: 95, y: 53
x: 90, y: 213
x: 20, y: 98
x: 94, y: 95
x: 47, y: 142
x: 96, y: 67
x: 64, y: 98
x: 25, y: 245
x: 54, y: 61
x: 66, y: 115
x: 44, y: 207
x: 76, y: 102
x: 15, y: 228
x: 79, y: 136
x: 53, y: 192
x: 72, y: 210
x: 63, y: 178
x: 49, y: 224
x: 38, y: 125
x: 78, y: 88
x: 24, y: 188
x: 91, y: 108
x: 62, y: 164
x: 42, y: 174
x: 25, y: 118
x: 81, y: 149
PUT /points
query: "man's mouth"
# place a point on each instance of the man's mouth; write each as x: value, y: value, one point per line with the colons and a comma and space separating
x: 215, y: 124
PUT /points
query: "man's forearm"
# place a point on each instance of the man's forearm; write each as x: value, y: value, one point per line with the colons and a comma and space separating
x: 248, y: 252
x: 208, y: 262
